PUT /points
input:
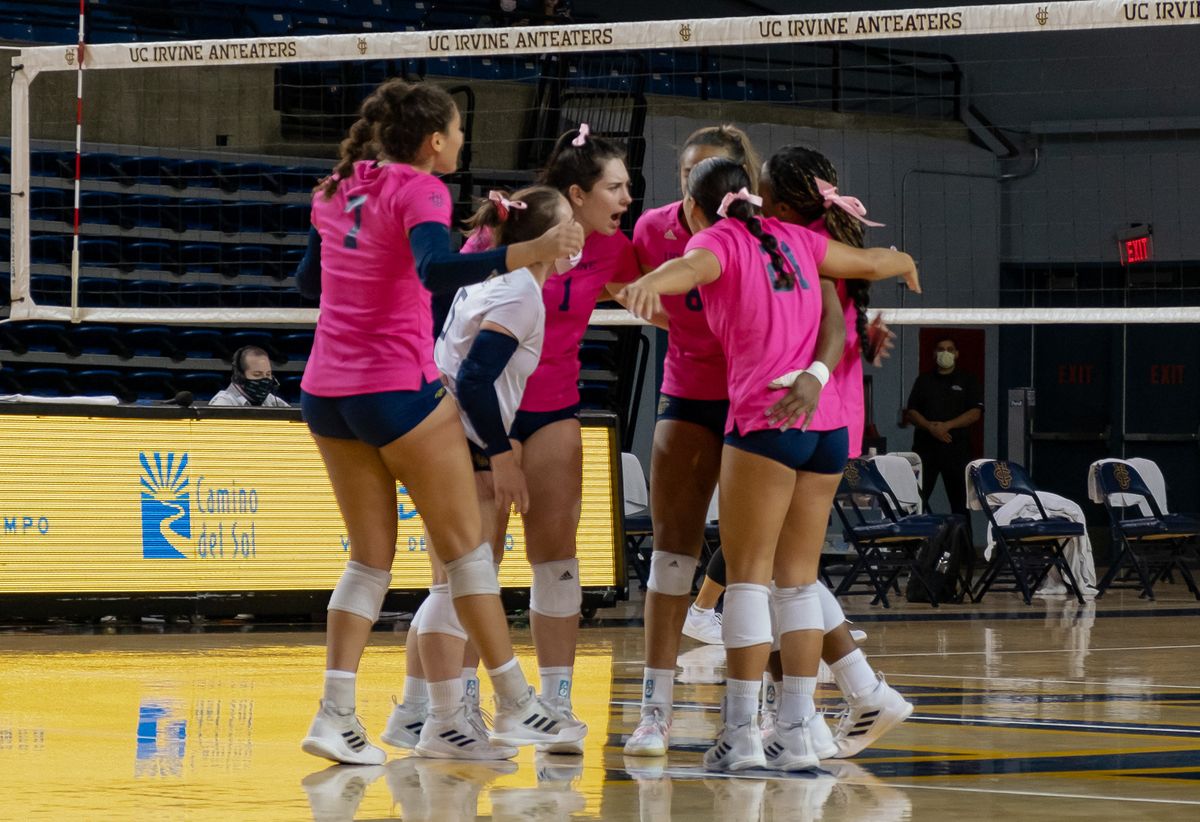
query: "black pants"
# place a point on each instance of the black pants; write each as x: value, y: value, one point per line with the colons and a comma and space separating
x: 951, y: 465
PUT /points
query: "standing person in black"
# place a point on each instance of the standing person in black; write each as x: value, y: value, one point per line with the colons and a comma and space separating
x: 943, y: 405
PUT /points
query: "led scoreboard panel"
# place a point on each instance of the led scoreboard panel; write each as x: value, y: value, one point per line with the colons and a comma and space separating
x: 138, y: 500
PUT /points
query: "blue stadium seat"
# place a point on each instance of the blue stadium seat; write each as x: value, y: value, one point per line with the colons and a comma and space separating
x: 295, y: 218
x: 202, y: 384
x: 49, y: 290
x: 150, y: 294
x: 102, y: 252
x: 98, y: 382
x: 262, y: 339
x: 297, y: 345
x: 289, y: 261
x: 255, y: 260
x: 204, y: 343
x: 101, y: 165
x: 52, y: 164
x: 142, y: 170
x: 257, y: 176
x: 152, y: 341
x: 255, y: 296
x: 100, y: 292
x: 198, y: 295
x: 189, y: 173
x: 99, y: 339
x: 151, y: 385
x: 50, y: 249
x: 302, y: 178
x: 196, y: 214
x: 200, y: 257
x: 289, y: 387
x: 45, y: 382
x: 253, y: 217
x: 150, y: 211
x: 100, y: 207
x: 24, y: 337
x: 53, y: 204
x: 149, y: 255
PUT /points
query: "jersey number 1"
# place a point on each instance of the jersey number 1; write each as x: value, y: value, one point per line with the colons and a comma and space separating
x: 565, y: 305
x: 355, y: 204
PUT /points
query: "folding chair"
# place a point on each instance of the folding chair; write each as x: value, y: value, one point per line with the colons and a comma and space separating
x: 1150, y: 541
x: 638, y: 527
x: 1028, y: 547
x: 886, y: 542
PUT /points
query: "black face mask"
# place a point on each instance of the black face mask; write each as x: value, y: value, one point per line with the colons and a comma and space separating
x: 257, y: 391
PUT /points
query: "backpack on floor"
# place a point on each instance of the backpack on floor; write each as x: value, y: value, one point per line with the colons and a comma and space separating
x: 948, y: 561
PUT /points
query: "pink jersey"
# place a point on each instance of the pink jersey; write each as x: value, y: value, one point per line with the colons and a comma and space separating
x: 765, y: 333
x: 569, y: 300
x: 374, y: 333
x: 695, y: 365
x: 847, y: 377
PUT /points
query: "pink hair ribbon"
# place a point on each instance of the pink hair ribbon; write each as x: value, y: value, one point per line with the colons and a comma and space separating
x: 851, y: 205
x: 584, y: 131
x: 733, y: 196
x: 504, y: 205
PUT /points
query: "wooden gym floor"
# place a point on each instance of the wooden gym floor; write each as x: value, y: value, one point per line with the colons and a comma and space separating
x: 1052, y: 711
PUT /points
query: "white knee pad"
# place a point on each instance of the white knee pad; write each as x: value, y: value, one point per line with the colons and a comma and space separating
x: 798, y: 609
x: 747, y: 617
x: 671, y: 574
x: 831, y: 610
x: 775, y: 645
x: 555, y: 591
x: 473, y: 574
x: 439, y: 616
x: 360, y: 591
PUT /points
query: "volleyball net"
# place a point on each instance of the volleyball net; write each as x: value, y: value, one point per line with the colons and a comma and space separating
x: 1040, y: 161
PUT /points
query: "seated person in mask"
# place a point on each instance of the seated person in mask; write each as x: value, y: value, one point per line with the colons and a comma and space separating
x: 253, y: 383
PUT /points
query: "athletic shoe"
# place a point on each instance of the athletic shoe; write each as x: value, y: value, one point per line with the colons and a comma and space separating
x: 703, y: 626
x: 790, y: 747
x: 457, y: 737
x: 453, y: 787
x: 340, y: 737
x: 822, y: 737
x: 738, y: 748
x: 532, y: 720
x: 652, y: 736
x: 335, y: 793
x: 567, y: 748
x: 869, y: 716
x: 858, y: 636
x: 403, y: 727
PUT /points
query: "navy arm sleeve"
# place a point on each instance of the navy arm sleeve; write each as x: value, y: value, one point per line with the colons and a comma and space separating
x: 308, y: 273
x: 476, y: 384
x: 441, y: 269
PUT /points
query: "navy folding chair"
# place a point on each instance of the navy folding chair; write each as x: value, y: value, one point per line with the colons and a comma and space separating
x: 886, y: 542
x: 1150, y: 543
x: 638, y: 527
x: 1026, y: 547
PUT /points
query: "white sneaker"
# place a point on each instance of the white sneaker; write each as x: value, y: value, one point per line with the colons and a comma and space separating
x: 335, y: 793
x: 790, y: 747
x: 869, y: 716
x: 652, y: 736
x: 737, y: 748
x: 340, y: 737
x: 822, y: 737
x: 403, y: 727
x: 567, y: 747
x: 703, y: 626
x: 457, y: 737
x: 533, y: 721
x: 858, y: 636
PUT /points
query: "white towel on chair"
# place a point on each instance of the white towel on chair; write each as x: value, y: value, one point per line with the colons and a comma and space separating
x: 1078, y: 550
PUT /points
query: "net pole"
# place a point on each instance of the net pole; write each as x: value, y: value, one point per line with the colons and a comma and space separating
x: 78, y: 166
x: 19, y: 191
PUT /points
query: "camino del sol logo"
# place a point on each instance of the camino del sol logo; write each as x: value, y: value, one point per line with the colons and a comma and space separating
x: 166, y: 506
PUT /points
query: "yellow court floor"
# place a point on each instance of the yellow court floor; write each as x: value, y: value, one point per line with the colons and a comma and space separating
x: 1053, y: 711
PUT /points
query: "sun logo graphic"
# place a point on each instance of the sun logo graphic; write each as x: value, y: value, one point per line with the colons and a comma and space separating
x: 166, y: 507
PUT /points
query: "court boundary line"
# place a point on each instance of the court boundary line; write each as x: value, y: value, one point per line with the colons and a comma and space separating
x: 1092, y: 682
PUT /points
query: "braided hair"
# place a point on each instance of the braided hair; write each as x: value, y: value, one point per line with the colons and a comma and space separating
x: 582, y: 165
x: 395, y: 120
x: 734, y: 142
x: 708, y: 184
x: 516, y: 225
x: 791, y: 173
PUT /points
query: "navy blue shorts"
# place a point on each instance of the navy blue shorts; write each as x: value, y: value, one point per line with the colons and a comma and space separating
x: 480, y: 461
x: 527, y: 423
x: 710, y: 414
x: 819, y: 452
x: 375, y: 419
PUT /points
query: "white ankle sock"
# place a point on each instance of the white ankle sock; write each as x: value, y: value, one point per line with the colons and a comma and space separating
x: 658, y: 689
x: 509, y: 681
x: 796, y: 702
x: 339, y: 690
x: 770, y: 694
x: 556, y: 683
x: 741, y: 700
x: 470, y: 681
x: 445, y: 697
x: 416, y: 691
x: 855, y: 676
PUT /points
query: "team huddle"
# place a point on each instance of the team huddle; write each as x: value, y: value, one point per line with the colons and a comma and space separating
x: 759, y: 276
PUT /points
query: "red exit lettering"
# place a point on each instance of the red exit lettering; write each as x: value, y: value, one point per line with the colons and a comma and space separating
x: 1137, y: 250
x: 1076, y: 373
x: 1166, y: 375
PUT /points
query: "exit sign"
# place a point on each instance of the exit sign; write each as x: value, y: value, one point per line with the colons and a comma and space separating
x: 1136, y: 245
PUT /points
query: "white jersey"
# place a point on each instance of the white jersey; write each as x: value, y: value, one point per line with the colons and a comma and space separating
x: 512, y: 301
